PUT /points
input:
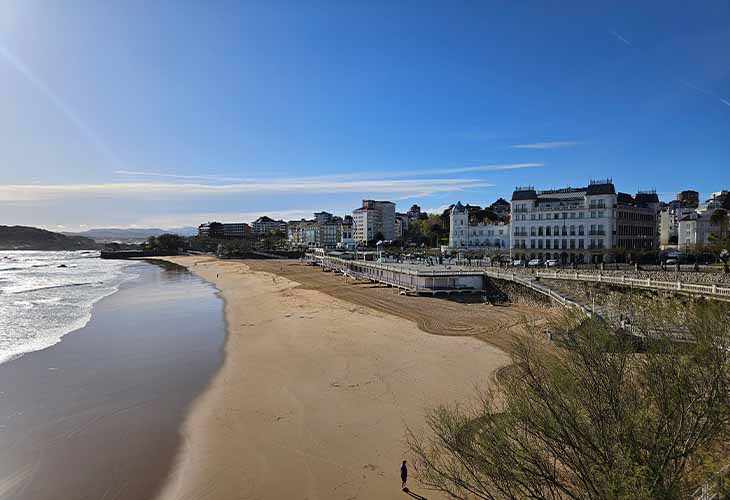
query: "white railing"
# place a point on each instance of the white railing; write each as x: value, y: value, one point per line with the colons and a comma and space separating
x: 376, y: 272
x: 536, y: 287
x: 639, y: 282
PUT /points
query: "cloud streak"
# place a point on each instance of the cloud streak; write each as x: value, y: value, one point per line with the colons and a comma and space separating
x: 403, y: 187
x: 139, y: 173
x: 365, y: 175
x: 546, y: 145
x: 620, y: 38
x: 708, y: 93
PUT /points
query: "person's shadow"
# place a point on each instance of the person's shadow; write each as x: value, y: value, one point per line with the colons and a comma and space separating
x: 413, y: 494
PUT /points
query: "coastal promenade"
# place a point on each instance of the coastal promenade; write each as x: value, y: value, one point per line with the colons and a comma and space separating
x: 421, y: 279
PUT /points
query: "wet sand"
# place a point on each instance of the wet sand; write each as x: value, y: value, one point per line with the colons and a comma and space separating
x: 320, y: 380
x: 97, y: 416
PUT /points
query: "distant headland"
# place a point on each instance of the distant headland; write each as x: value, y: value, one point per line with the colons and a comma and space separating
x: 32, y: 238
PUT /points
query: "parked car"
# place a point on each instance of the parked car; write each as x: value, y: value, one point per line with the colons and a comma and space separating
x: 551, y: 263
x: 518, y: 263
x: 534, y: 263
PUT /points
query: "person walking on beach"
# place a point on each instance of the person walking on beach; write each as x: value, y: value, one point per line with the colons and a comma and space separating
x: 403, y: 474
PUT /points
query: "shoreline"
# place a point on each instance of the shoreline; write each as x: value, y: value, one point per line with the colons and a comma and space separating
x: 97, y: 415
x: 314, y: 393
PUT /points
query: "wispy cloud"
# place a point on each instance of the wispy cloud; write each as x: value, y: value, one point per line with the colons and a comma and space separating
x: 361, y: 175
x: 546, y: 145
x: 706, y: 92
x: 425, y: 187
x: 138, y: 173
x: 487, y: 168
x: 20, y: 66
x: 620, y: 38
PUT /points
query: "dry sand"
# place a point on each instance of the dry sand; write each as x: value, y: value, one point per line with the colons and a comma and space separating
x: 315, y: 392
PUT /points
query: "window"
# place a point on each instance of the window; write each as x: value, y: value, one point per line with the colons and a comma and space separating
x: 572, y: 230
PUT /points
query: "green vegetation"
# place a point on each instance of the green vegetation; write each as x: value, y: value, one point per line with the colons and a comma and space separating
x: 31, y: 238
x: 167, y: 244
x: 593, y: 419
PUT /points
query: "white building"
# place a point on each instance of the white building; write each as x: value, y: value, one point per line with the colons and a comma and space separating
x: 303, y: 234
x: 696, y: 230
x: 322, y: 232
x: 372, y: 219
x: 669, y: 219
x: 586, y: 224
x: 485, y: 237
x: 264, y: 225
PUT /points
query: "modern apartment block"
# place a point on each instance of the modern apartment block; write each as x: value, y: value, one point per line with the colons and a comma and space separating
x: 637, y: 222
x: 265, y: 225
x: 586, y: 224
x: 372, y: 219
x: 401, y: 225
x: 465, y: 235
x: 236, y: 230
x: 324, y: 231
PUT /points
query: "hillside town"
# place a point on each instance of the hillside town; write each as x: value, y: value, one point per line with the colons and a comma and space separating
x: 591, y: 224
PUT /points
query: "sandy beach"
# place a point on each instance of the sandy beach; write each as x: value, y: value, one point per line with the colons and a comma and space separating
x: 315, y: 391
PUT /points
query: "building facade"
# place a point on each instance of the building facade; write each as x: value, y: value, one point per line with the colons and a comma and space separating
x: 235, y: 230
x: 465, y: 235
x: 401, y: 225
x: 669, y: 218
x: 583, y: 225
x: 374, y: 218
x: 321, y: 232
x: 347, y: 237
x: 697, y: 230
x: 265, y: 225
x: 637, y: 223
x: 501, y: 207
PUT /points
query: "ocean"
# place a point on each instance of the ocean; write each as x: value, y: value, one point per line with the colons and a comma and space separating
x: 45, y: 295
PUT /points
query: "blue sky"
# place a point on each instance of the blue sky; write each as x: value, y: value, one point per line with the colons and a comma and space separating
x: 173, y: 113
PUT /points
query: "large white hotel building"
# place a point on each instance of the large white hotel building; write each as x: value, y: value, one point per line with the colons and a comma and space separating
x: 581, y: 225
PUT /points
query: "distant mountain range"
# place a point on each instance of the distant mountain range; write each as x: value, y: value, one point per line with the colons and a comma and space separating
x: 134, y: 234
x: 32, y: 238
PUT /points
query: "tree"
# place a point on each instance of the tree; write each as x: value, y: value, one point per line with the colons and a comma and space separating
x: 592, y: 419
x: 170, y: 243
x: 720, y: 219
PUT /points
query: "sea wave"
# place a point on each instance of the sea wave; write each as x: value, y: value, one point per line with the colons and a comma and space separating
x: 51, y: 287
x: 40, y: 302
